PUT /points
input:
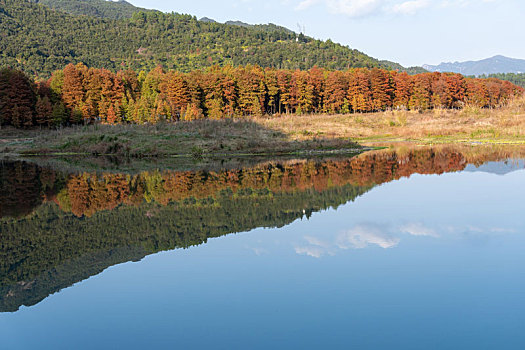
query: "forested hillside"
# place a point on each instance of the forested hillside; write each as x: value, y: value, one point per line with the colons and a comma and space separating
x: 514, y: 78
x: 397, y: 67
x: 78, y: 94
x: 123, y: 9
x: 39, y: 40
x: 96, y: 8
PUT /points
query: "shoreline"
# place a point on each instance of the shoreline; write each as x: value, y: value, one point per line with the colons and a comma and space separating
x: 288, y: 135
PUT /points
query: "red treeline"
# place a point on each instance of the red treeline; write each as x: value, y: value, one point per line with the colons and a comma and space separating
x: 79, y: 94
x: 88, y: 193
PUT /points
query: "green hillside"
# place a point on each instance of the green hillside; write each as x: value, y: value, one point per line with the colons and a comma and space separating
x: 39, y: 40
x: 123, y: 9
x: 96, y: 8
x: 398, y: 67
x: 514, y: 78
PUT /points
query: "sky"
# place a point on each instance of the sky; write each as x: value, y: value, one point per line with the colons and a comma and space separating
x: 411, y: 32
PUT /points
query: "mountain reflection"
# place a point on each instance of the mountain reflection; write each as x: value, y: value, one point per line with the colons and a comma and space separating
x: 58, y: 228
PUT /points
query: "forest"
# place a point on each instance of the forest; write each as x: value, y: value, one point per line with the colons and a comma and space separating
x: 40, y: 40
x: 81, y: 95
x: 515, y: 78
x: 95, y: 8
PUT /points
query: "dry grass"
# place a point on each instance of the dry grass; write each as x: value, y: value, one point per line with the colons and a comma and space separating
x: 198, y: 138
x: 471, y: 123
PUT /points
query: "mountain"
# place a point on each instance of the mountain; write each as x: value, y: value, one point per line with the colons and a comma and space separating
x: 238, y: 23
x: 493, y: 65
x: 398, y: 67
x: 96, y: 8
x: 498, y: 167
x: 122, y: 9
x: 263, y: 27
x: 40, y: 40
x: 208, y: 20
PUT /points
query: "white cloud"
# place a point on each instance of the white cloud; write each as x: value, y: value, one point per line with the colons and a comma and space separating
x: 463, y: 3
x: 471, y: 229
x: 317, y: 242
x: 417, y: 229
x: 359, y: 237
x: 303, y: 5
x: 362, y: 8
x: 259, y: 251
x: 355, y: 8
x: 314, y: 252
x: 317, y: 248
x: 363, y: 235
x: 410, y: 7
x: 385, y: 236
x: 351, y: 8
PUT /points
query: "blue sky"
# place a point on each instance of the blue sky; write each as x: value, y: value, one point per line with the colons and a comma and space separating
x: 411, y: 32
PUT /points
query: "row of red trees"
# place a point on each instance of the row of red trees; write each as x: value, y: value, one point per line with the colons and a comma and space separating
x: 78, y: 94
x: 88, y: 193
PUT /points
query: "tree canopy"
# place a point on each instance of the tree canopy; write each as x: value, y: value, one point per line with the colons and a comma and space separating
x: 96, y: 8
x: 514, y: 78
x: 78, y: 94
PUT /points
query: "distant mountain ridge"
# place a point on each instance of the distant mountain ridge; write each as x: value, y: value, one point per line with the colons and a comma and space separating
x: 263, y: 27
x: 493, y: 65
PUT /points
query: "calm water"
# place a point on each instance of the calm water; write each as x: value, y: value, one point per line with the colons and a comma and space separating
x: 409, y: 249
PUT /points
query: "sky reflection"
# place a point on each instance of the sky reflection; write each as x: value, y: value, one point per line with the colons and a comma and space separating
x: 425, y: 262
x: 366, y: 235
x: 484, y: 205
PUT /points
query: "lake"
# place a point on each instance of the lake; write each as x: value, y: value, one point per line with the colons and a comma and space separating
x: 400, y: 248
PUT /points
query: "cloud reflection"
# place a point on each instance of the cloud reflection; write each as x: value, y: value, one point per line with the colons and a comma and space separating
x: 385, y: 236
x: 363, y: 235
x: 314, y: 252
x: 418, y: 229
x: 358, y: 237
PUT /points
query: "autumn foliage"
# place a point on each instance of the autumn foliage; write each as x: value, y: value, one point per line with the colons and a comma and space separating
x: 25, y: 186
x: 88, y: 193
x: 78, y: 94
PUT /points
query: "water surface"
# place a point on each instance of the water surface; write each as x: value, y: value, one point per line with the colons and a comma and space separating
x: 397, y: 249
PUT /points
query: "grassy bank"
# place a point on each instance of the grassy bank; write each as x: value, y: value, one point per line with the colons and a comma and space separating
x: 274, y: 136
x: 224, y: 138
